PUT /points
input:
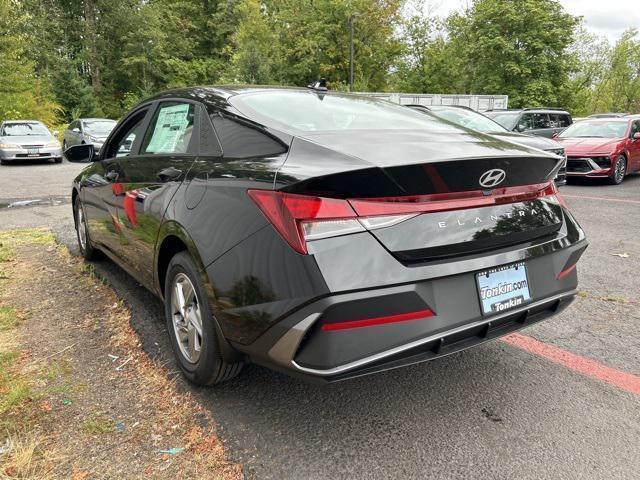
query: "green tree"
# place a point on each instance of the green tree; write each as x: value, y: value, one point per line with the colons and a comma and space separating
x: 591, y: 56
x: 429, y: 63
x: 516, y: 47
x: 73, y: 92
x: 22, y: 93
x: 619, y: 90
x: 255, y: 57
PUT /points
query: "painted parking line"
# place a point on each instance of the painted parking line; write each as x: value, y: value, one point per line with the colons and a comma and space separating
x: 606, y: 199
x: 584, y: 366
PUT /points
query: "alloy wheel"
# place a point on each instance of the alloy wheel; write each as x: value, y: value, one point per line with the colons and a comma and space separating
x: 82, y: 228
x: 187, y: 317
x: 620, y: 170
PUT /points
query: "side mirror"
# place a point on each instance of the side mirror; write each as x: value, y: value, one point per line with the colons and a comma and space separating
x: 56, y: 133
x: 520, y: 128
x: 636, y: 136
x: 81, y: 154
x: 76, y: 129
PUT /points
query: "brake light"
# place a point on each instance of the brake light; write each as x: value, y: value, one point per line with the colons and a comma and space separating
x: 301, y: 218
x: 298, y: 218
x: 440, y: 202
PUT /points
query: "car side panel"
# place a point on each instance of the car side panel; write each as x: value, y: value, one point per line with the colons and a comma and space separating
x: 139, y: 203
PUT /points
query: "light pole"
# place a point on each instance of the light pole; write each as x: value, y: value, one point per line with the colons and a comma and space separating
x: 351, y: 53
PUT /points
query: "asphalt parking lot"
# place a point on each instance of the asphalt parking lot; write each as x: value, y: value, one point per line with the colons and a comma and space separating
x: 562, y: 400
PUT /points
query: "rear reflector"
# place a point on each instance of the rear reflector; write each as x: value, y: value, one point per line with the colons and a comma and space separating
x: 301, y: 218
x: 370, y: 322
x: 566, y: 271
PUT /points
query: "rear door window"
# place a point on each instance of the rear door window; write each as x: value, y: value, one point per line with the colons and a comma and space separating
x: 540, y: 121
x: 171, y: 129
x: 559, y: 120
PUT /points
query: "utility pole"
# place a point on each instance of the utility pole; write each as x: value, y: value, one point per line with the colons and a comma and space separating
x: 351, y: 53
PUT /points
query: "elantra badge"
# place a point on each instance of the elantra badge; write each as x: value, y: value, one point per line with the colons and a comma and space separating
x: 492, y: 178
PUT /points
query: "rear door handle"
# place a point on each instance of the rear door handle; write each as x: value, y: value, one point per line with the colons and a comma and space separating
x: 112, y: 176
x: 169, y: 173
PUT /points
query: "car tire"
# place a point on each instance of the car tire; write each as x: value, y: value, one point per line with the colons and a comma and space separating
x: 619, y: 170
x: 195, y: 337
x: 87, y: 251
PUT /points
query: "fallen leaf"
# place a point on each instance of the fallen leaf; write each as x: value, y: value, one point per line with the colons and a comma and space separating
x: 78, y: 474
x: 621, y: 255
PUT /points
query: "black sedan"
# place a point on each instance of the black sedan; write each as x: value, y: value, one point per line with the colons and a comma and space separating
x: 323, y: 234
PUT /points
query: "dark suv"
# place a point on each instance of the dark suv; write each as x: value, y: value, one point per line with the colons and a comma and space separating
x: 535, y: 121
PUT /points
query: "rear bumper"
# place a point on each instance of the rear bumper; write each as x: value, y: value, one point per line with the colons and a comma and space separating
x: 299, y: 346
x: 418, y: 351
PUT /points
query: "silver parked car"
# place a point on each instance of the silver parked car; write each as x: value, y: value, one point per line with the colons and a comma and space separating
x: 88, y: 131
x: 27, y: 140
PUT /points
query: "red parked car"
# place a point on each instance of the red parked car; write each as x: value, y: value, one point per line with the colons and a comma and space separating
x: 602, y: 148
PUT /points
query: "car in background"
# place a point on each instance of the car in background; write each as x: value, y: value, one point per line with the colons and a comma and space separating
x: 544, y: 122
x: 602, y: 148
x: 608, y: 115
x: 22, y: 140
x: 88, y: 131
x: 323, y: 234
x: 468, y: 118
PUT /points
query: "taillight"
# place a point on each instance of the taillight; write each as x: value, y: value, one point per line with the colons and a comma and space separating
x: 301, y: 218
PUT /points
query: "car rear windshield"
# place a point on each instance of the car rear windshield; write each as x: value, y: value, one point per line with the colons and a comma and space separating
x: 507, y: 119
x: 599, y: 129
x: 98, y: 127
x: 23, y: 129
x: 316, y: 112
x: 468, y: 119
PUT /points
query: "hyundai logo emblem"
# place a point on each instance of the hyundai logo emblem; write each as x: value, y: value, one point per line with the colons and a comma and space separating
x: 492, y: 178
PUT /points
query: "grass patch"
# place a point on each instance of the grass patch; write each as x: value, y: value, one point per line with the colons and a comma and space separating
x: 8, y: 318
x: 12, y: 238
x: 98, y: 425
x: 23, y: 459
x: 614, y: 299
x: 14, y: 389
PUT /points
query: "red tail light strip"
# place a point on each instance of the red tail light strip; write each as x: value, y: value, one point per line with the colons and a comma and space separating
x: 439, y: 202
x: 370, y: 322
x: 295, y: 216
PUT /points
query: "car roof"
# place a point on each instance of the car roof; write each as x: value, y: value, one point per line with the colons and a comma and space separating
x: 533, y: 110
x: 221, y: 91
x: 94, y: 119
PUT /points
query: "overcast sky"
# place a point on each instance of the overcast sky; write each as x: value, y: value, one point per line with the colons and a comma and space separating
x: 604, y: 17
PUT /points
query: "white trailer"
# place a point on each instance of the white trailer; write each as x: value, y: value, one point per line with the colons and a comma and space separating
x: 476, y: 102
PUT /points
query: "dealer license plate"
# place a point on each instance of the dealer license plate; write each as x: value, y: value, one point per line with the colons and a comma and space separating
x: 503, y: 288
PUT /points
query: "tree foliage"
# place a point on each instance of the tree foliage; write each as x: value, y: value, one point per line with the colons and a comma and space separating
x: 60, y: 59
